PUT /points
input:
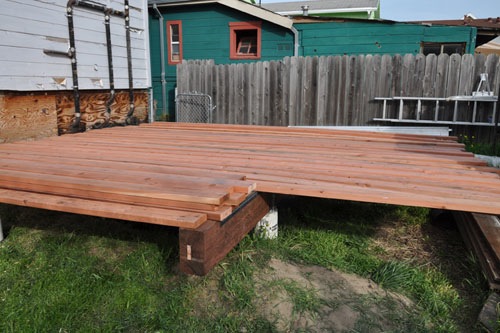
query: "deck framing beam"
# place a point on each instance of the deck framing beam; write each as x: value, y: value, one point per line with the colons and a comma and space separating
x: 202, y: 248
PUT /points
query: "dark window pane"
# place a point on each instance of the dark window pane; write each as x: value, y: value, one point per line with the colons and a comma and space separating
x: 438, y: 48
x: 453, y: 48
x: 174, y: 29
x: 247, y: 42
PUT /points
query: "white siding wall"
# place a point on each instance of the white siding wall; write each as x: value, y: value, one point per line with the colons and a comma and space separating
x: 27, y: 27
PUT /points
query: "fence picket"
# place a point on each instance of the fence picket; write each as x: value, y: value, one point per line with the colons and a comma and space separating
x: 335, y: 90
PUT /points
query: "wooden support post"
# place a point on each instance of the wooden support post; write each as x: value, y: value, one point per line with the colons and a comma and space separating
x: 202, y: 248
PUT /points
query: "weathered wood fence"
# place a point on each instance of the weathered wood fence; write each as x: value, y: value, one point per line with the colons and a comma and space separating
x: 333, y: 90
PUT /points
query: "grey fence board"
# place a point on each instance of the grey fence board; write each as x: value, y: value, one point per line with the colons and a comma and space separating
x: 334, y: 90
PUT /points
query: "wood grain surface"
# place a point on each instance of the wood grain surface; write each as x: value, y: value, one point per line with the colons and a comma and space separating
x: 209, y: 169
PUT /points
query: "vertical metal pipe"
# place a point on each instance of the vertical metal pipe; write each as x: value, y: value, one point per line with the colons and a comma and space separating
x: 72, y: 54
x: 296, y: 42
x: 496, y: 129
x: 129, y: 62
x: 162, y: 61
x: 74, y: 66
x: 111, y: 99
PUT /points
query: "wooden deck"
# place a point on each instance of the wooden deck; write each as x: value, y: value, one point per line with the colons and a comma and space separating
x: 184, y: 175
x: 190, y: 173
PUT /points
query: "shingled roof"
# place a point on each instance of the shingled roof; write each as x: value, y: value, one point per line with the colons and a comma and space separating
x: 242, y: 6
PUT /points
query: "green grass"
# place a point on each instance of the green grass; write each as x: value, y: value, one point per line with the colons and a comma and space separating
x: 304, y: 300
x: 69, y: 273
x: 338, y: 235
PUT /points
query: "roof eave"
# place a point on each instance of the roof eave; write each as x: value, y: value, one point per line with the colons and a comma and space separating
x: 259, y: 12
x: 250, y: 9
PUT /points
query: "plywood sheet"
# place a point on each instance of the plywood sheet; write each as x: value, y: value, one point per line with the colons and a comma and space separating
x: 27, y: 117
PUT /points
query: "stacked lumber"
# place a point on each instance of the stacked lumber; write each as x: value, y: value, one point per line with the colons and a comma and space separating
x: 73, y: 174
x: 414, y: 170
x: 482, y: 235
x: 183, y: 174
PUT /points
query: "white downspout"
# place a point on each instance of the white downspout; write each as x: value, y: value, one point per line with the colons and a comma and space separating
x: 162, y: 62
x: 296, y: 44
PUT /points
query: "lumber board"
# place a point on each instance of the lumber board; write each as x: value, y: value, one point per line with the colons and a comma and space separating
x: 257, y: 142
x: 346, y: 150
x: 301, y: 145
x: 372, y: 174
x: 183, y: 164
x: 130, y: 176
x: 476, y: 241
x: 365, y: 194
x: 153, y: 215
x: 295, y: 131
x: 251, y: 155
x: 290, y: 137
x: 211, y: 168
x: 67, y: 185
x: 87, y: 162
x: 217, y: 213
x: 490, y: 228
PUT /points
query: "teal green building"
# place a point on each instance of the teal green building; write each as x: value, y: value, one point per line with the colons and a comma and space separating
x: 234, y: 31
x: 319, y: 36
x: 226, y: 31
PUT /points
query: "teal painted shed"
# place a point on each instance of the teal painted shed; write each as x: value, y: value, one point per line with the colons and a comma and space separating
x: 227, y: 31
x: 319, y: 36
x: 232, y: 31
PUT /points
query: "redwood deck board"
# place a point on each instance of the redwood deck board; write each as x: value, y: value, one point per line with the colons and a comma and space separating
x: 208, y: 169
x: 490, y: 228
x: 153, y: 215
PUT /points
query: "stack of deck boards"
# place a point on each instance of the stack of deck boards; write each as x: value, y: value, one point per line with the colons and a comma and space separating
x: 415, y: 170
x: 482, y: 235
x: 116, y: 178
x: 183, y: 174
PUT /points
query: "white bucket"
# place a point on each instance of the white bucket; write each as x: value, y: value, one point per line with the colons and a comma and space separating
x: 268, y: 226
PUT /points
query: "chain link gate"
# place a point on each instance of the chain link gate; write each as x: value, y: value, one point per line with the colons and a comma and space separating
x: 193, y: 108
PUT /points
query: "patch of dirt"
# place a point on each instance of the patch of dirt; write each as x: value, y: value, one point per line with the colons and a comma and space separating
x: 347, y: 302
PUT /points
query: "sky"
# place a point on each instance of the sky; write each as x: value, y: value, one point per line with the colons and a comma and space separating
x: 419, y: 10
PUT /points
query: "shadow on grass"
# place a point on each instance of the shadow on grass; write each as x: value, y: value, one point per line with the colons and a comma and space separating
x: 59, y: 223
x: 443, y: 241
x: 349, y: 217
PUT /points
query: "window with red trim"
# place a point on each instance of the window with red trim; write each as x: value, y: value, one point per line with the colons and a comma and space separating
x: 174, y: 37
x: 245, y: 40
